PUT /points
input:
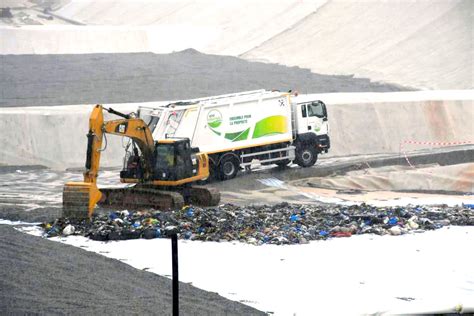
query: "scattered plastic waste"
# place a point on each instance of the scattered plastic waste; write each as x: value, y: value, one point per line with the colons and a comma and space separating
x: 393, y: 221
x: 294, y: 218
x: 68, y: 230
x: 280, y: 224
x: 395, y: 230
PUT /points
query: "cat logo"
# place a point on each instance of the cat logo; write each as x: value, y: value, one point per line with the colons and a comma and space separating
x: 122, y: 128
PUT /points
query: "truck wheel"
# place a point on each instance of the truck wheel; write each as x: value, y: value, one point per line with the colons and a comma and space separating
x: 228, y: 168
x: 306, y: 156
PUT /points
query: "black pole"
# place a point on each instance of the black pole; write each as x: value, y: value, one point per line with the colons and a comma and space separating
x: 174, y: 259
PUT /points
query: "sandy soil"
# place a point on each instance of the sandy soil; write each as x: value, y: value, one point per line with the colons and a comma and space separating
x: 119, y: 78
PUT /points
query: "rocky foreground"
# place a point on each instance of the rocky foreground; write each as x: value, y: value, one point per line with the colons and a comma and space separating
x: 263, y: 224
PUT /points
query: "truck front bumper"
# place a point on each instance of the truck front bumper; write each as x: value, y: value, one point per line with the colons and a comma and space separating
x: 323, y: 143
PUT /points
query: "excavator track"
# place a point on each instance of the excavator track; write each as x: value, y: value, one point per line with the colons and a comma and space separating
x: 136, y: 198
x: 201, y: 195
x: 145, y: 196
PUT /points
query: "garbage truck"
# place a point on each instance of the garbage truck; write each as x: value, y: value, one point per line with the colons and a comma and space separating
x: 241, y: 129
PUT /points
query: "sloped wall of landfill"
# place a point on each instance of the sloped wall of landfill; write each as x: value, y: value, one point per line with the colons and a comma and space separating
x: 421, y: 44
x: 216, y: 27
x: 458, y: 177
x: 381, y: 126
x: 71, y: 40
x: 54, y: 137
x: 360, y: 123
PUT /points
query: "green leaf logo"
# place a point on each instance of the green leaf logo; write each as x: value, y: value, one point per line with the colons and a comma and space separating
x: 214, y: 119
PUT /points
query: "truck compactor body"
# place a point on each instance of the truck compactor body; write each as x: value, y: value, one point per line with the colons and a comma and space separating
x: 237, y: 130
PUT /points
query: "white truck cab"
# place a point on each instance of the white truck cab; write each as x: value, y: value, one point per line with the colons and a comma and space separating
x: 311, y: 117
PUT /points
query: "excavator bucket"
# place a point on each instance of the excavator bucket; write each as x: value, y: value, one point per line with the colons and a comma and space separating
x: 79, y: 199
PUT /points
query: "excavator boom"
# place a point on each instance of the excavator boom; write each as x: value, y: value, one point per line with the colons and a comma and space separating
x: 80, y: 198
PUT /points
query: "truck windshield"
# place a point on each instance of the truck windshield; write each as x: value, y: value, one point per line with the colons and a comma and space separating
x: 165, y: 156
x: 316, y: 109
x: 150, y: 116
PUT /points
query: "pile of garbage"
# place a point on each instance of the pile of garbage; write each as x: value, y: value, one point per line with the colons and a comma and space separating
x: 262, y: 224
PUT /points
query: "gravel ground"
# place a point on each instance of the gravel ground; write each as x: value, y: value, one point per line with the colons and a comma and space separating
x: 38, y: 80
x: 39, y: 276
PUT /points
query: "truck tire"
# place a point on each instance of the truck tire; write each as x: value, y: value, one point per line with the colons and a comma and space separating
x: 228, y: 167
x: 306, y: 156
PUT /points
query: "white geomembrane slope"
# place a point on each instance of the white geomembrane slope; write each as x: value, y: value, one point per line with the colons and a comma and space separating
x: 423, y: 44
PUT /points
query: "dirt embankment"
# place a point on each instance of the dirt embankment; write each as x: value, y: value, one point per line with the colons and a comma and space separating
x: 38, y: 276
x: 141, y: 77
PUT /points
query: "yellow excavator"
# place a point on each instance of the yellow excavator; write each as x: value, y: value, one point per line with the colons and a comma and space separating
x: 163, y: 171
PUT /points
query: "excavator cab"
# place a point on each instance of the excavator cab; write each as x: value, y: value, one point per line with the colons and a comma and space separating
x: 173, y: 160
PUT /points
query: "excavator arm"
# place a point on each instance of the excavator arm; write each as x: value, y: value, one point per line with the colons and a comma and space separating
x: 80, y: 198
